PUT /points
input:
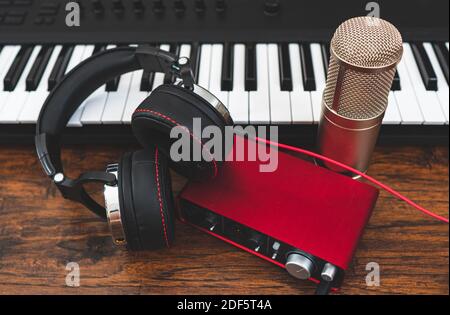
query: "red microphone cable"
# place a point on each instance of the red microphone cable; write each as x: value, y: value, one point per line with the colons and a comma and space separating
x: 355, y: 171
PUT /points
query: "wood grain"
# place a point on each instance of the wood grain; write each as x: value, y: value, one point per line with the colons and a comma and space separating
x: 40, y: 233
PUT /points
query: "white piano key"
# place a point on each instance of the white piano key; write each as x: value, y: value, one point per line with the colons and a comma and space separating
x: 33, y: 106
x: 205, y: 66
x: 239, y: 98
x: 185, y: 51
x: 159, y: 77
x: 215, y: 79
x: 95, y: 104
x: 442, y: 92
x: 259, y: 105
x: 7, y: 57
x: 319, y: 75
x: 135, y: 97
x: 300, y: 99
x: 280, y: 101
x: 428, y: 101
x: 392, y: 114
x: 115, y: 104
x: 75, y: 120
x: 406, y: 100
x: 17, y: 99
x: 76, y: 57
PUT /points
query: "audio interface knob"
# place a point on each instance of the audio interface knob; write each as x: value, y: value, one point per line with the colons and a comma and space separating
x: 328, y: 272
x: 299, y: 266
x: 212, y: 220
x: 255, y: 241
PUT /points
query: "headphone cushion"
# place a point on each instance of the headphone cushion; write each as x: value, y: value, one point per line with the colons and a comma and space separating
x: 148, y: 206
x: 169, y: 106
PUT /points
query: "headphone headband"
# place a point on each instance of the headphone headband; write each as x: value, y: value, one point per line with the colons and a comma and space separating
x: 81, y: 82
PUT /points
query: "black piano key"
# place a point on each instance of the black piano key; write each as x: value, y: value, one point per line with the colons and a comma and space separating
x: 99, y: 48
x: 285, y: 67
x: 113, y: 85
x: 60, y: 67
x: 251, y: 83
x: 195, y: 60
x: 170, y: 78
x: 325, y: 57
x: 426, y: 70
x: 38, y: 69
x: 227, y: 67
x: 441, y: 52
x: 15, y: 71
x: 396, y: 86
x: 1, y: 48
x: 147, y: 81
x: 309, y: 81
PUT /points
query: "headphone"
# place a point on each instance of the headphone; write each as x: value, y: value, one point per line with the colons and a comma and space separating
x: 139, y: 205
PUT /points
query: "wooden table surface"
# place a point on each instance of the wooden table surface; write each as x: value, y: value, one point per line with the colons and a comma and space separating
x: 40, y: 233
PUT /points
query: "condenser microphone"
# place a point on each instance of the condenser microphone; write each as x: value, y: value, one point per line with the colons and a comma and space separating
x: 364, y: 54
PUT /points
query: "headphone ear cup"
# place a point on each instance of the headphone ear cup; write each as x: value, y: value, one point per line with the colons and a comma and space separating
x: 147, y: 206
x: 171, y: 106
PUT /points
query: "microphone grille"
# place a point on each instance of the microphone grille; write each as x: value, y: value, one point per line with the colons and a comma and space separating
x: 364, y: 53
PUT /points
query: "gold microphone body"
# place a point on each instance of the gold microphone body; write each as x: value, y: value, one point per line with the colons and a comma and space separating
x: 364, y: 54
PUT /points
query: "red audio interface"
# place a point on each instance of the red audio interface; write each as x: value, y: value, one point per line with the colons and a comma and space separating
x: 301, y: 217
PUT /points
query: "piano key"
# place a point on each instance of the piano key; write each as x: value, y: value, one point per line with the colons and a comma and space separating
x: 227, y: 67
x: 424, y: 66
x: 392, y: 114
x: 75, y: 120
x: 251, y: 68
x: 113, y: 85
x: 147, y: 80
x: 36, y: 73
x: 116, y: 101
x: 170, y: 78
x: 216, y: 74
x: 135, y: 97
x: 441, y: 52
x: 238, y: 96
x: 307, y: 68
x: 60, y: 67
x: 195, y: 60
x: 406, y: 100
x: 17, y: 99
x: 94, y: 106
x: 428, y: 101
x: 36, y: 99
x: 99, y: 48
x: 301, y: 106
x: 159, y: 77
x: 319, y: 76
x: 442, y: 92
x: 396, y: 86
x: 205, y: 66
x: 259, y: 104
x: 284, y: 67
x: 326, y: 57
x: 76, y: 58
x: 280, y: 103
x: 7, y: 57
x: 17, y: 67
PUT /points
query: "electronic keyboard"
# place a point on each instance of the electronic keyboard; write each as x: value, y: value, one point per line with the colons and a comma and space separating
x: 256, y: 56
